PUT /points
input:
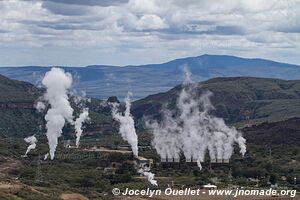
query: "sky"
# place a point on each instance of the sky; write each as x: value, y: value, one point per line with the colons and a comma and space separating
x: 133, y: 32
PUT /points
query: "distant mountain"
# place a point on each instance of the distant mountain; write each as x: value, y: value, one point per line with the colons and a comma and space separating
x: 103, y: 81
x: 241, y: 100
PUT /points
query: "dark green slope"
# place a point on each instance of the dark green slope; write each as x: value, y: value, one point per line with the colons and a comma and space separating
x: 272, y: 148
x: 243, y: 100
x: 19, y: 118
x: 17, y: 91
x: 285, y: 132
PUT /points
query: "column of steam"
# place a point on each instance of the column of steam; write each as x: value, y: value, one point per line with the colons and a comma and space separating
x: 83, y: 117
x: 32, y: 141
x: 204, y: 131
x: 127, y: 129
x: 128, y: 133
x: 194, y: 130
x: 80, y: 102
x: 57, y: 84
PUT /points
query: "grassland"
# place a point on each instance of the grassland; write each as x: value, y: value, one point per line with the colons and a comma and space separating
x: 76, y: 171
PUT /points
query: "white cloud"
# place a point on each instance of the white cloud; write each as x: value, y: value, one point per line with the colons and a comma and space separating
x: 141, y: 31
x: 148, y: 22
x: 145, y: 6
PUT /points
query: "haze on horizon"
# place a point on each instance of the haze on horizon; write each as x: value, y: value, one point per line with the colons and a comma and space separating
x: 131, y: 32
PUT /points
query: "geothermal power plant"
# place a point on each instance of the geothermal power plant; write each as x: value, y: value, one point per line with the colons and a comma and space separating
x: 192, y: 131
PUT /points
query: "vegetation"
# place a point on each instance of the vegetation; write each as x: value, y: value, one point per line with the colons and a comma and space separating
x: 242, y: 101
x: 266, y: 111
x: 19, y: 118
x: 79, y: 171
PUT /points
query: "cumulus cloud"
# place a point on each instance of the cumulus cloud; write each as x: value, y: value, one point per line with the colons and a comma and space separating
x: 150, y: 22
x: 146, y: 6
x: 129, y: 29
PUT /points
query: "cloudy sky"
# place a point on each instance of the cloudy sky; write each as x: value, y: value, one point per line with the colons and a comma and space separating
x: 122, y: 32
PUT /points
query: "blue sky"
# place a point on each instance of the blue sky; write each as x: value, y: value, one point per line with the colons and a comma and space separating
x: 123, y: 32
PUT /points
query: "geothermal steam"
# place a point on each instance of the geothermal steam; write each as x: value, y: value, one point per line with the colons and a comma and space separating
x: 80, y: 101
x: 128, y: 133
x: 46, y: 156
x: 57, y: 83
x: 192, y: 130
x: 127, y: 129
x: 83, y: 117
x: 32, y: 144
x: 150, y: 176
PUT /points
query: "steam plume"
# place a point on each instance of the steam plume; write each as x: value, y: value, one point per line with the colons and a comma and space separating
x: 57, y: 83
x: 40, y: 106
x: 127, y: 129
x: 128, y: 133
x: 46, y: 156
x: 84, y: 116
x: 32, y: 141
x: 192, y: 130
x: 150, y: 176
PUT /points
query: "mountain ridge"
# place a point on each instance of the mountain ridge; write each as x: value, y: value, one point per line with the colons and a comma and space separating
x: 103, y: 81
x: 160, y: 63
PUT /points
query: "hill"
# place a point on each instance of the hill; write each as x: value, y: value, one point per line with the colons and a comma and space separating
x: 272, y: 147
x: 17, y: 91
x: 285, y: 132
x: 19, y: 118
x: 16, y: 108
x: 241, y: 100
x: 101, y: 81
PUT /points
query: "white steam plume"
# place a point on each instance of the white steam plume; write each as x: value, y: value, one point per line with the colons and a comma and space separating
x: 46, y: 156
x: 150, y: 176
x: 127, y: 129
x: 187, y: 75
x: 40, y: 106
x: 32, y: 141
x: 83, y: 117
x: 128, y: 133
x: 165, y: 140
x: 57, y: 83
x: 193, y: 130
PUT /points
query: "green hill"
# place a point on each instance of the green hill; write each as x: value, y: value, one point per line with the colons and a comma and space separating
x: 242, y: 101
x: 16, y: 108
x: 285, y: 132
x: 272, y: 147
x: 239, y: 100
x: 17, y: 91
x: 19, y: 118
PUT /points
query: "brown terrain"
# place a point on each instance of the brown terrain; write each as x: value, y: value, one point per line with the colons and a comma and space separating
x: 206, y: 197
x: 73, y: 196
